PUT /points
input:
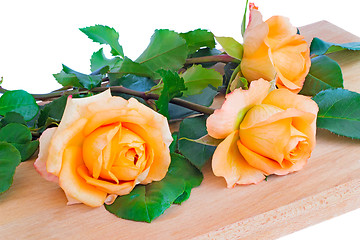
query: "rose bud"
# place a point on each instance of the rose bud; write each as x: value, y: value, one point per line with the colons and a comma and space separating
x: 274, y: 50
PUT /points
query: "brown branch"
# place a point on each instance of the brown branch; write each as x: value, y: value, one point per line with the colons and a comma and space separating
x: 224, y: 58
x: 121, y: 89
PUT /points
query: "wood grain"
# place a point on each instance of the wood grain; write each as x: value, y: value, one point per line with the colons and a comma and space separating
x: 328, y: 186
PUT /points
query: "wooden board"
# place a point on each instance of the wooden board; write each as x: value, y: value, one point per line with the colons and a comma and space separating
x: 328, y: 186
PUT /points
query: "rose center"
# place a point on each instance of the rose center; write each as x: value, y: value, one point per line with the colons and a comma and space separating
x: 114, y: 153
x: 132, y: 155
x: 298, y: 149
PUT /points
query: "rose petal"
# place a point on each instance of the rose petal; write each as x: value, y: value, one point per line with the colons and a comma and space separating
x: 153, y: 138
x: 256, y: 62
x: 113, y: 116
x: 125, y: 167
x: 268, y: 134
x: 297, y: 150
x: 40, y: 163
x: 285, y: 99
x: 227, y: 162
x: 226, y: 119
x: 256, y: 31
x: 75, y: 115
x: 121, y: 188
x: 268, y: 140
x: 279, y: 29
x: 99, y: 119
x: 142, y: 176
x: 144, y: 124
x: 291, y: 59
x: 108, y: 175
x: 106, y: 104
x: 60, y: 140
x: 298, y: 146
x: 74, y: 185
x: 94, y: 145
x: 77, y: 108
x: 71, y: 201
x: 110, y: 199
x: 109, y: 153
x: 267, y: 165
x: 255, y: 119
x: 259, y: 114
x: 153, y: 119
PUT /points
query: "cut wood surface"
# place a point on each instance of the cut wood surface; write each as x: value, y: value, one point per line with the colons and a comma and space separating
x: 328, y: 186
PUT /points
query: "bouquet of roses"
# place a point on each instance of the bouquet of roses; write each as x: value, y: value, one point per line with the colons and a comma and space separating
x: 105, y: 137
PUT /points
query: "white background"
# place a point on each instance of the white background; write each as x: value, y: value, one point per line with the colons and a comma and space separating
x: 36, y: 37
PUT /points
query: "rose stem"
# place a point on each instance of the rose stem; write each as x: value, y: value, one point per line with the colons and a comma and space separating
x: 146, y: 96
x: 121, y: 89
x: 224, y: 58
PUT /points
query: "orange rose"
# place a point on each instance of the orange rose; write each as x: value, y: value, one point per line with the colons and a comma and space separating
x: 265, y: 133
x: 273, y: 50
x: 103, y: 147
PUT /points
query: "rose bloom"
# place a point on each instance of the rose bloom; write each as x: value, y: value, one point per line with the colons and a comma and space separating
x: 264, y: 133
x: 103, y: 147
x: 273, y: 50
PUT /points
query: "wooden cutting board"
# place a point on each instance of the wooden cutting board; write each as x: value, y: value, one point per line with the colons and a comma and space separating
x: 328, y: 186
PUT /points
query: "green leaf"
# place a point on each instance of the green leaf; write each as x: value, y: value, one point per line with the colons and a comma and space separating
x: 20, y: 137
x: 15, y: 133
x: 12, y: 117
x: 26, y: 149
x: 137, y: 83
x: 88, y: 81
x: 320, y: 47
x: 174, y: 145
x: 105, y: 35
x: 19, y: 101
x: 243, y: 23
x: 166, y: 50
x: 173, y: 87
x: 339, y: 112
x: 99, y: 60
x: 324, y: 73
x: 52, y: 112
x: 101, y: 71
x: 67, y: 80
x: 231, y: 46
x: 9, y: 160
x: 196, y: 79
x: 194, y: 128
x: 205, y: 98
x: 182, y: 198
x: 133, y: 82
x: 68, y: 77
x: 145, y: 203
x: 129, y: 67
x: 197, y: 39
